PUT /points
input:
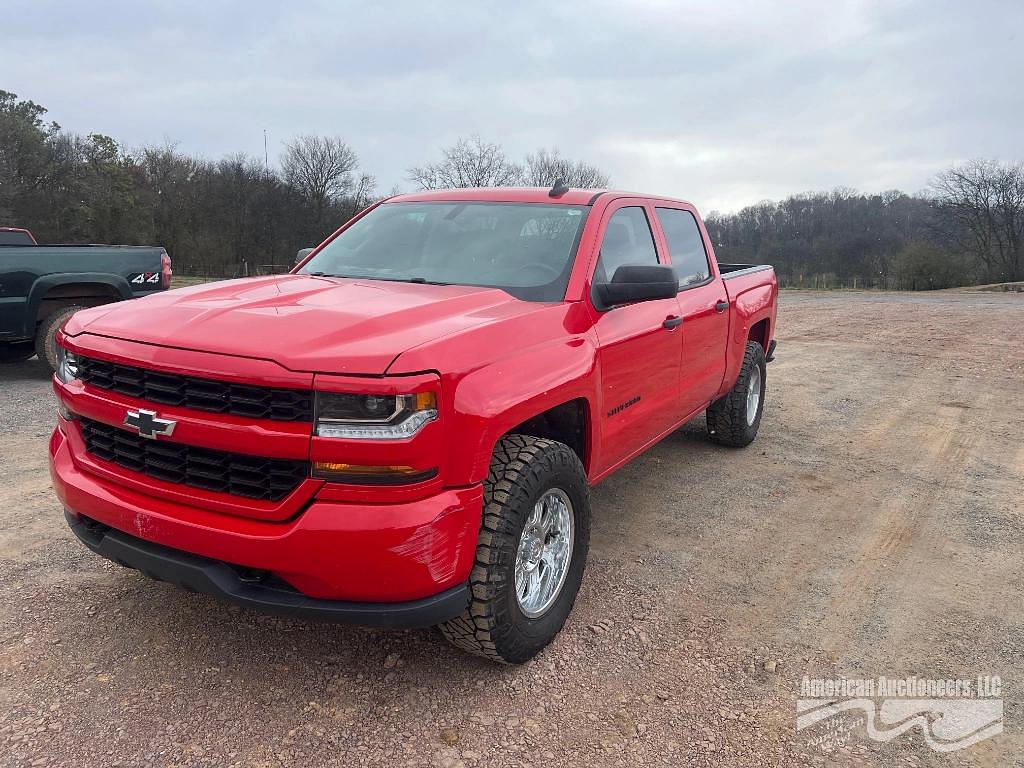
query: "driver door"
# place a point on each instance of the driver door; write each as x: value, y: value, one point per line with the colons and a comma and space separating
x: 639, y: 345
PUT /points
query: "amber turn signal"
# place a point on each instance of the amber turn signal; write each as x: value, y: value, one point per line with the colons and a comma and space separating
x: 363, y: 474
x: 425, y: 401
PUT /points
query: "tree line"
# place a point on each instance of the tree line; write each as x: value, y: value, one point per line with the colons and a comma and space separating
x: 242, y: 215
x: 966, y: 228
x: 236, y: 215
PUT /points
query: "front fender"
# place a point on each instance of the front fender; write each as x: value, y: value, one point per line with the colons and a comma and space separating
x: 492, y: 400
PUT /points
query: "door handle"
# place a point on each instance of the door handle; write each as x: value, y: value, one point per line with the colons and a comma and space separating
x: 721, y: 306
x: 672, y: 321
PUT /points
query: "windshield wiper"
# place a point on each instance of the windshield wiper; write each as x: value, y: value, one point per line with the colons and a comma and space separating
x: 418, y: 280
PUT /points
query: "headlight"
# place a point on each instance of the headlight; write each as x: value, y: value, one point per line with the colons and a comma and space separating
x: 373, y: 417
x: 67, y: 365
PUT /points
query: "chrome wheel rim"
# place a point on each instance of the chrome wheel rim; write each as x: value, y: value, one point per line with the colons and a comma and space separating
x: 544, y: 553
x: 753, y: 395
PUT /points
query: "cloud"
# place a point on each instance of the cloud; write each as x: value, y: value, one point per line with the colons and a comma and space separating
x: 722, y: 104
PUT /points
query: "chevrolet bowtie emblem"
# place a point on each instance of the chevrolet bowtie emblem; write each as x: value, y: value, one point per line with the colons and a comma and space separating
x: 149, y: 424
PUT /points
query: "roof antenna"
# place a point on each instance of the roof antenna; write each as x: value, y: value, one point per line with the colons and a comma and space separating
x: 559, y: 189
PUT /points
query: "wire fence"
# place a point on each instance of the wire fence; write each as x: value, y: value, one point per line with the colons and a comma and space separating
x: 833, y: 282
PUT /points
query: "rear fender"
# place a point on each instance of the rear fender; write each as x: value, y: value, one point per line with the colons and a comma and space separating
x: 748, y: 309
x: 45, y: 284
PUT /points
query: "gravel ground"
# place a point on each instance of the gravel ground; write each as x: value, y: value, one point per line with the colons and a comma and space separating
x: 873, y: 528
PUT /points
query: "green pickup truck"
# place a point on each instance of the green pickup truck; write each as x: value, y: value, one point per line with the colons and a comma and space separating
x: 41, y: 286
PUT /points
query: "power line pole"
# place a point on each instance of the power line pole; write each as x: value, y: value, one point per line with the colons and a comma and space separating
x: 266, y: 156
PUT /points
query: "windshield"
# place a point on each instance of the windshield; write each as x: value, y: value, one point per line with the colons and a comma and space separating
x: 524, y: 249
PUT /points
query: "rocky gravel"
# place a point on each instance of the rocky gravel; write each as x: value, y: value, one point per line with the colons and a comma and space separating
x: 873, y: 528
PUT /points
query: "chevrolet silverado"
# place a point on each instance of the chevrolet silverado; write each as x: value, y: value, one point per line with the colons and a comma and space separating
x: 404, y: 430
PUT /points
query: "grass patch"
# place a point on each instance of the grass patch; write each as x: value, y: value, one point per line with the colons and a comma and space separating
x: 183, y: 281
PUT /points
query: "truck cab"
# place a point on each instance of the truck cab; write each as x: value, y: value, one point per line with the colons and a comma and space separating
x: 404, y: 431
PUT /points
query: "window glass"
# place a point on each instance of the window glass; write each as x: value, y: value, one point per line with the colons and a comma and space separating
x: 525, y: 249
x: 15, y: 238
x: 627, y: 240
x: 685, y: 245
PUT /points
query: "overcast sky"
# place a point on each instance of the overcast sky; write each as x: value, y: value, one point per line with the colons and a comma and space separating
x: 724, y: 104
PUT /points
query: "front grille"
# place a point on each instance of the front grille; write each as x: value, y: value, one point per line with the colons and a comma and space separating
x: 200, y: 394
x: 254, y: 477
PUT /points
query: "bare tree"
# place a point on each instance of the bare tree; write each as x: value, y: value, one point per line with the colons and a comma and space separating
x: 363, y: 191
x: 469, y: 162
x: 174, y: 181
x: 215, y: 216
x: 320, y: 168
x: 546, y: 167
x: 981, y: 206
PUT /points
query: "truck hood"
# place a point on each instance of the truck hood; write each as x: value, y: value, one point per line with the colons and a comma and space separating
x: 304, y: 323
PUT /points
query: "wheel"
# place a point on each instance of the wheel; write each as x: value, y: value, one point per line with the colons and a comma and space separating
x: 531, y: 551
x: 15, y: 353
x: 46, y: 335
x: 734, y: 419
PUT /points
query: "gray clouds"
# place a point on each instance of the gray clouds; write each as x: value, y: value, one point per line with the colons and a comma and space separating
x: 721, y: 105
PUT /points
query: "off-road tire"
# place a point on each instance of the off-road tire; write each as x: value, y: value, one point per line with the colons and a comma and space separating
x: 46, y: 335
x: 727, y: 417
x: 16, y: 353
x: 523, y: 468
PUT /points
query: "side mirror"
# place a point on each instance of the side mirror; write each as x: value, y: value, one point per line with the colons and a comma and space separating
x: 303, y: 253
x: 631, y: 284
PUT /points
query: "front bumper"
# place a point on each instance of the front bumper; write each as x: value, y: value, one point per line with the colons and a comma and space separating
x: 255, y: 589
x: 392, y: 553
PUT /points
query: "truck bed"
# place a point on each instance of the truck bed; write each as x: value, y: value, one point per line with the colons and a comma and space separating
x: 37, y: 279
x: 729, y: 271
x: 748, y: 281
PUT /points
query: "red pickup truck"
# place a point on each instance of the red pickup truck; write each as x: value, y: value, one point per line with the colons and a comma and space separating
x: 404, y: 430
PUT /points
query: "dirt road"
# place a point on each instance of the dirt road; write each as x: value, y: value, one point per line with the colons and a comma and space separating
x: 874, y: 528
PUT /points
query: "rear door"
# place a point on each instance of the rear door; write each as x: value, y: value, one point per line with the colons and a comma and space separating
x: 638, y: 355
x: 703, y: 303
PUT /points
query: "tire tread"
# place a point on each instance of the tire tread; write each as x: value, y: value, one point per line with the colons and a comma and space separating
x: 518, y: 462
x: 727, y: 417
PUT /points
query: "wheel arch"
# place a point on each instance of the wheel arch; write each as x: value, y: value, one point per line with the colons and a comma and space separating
x: 753, y: 320
x: 566, y: 419
x: 761, y: 333
x: 50, y: 293
x: 567, y: 423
